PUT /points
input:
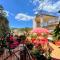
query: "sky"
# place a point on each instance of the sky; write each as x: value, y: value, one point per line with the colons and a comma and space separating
x: 20, y: 13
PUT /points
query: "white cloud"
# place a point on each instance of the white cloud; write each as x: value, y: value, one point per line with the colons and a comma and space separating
x: 36, y: 12
x: 47, y: 5
x: 52, y: 7
x: 35, y: 2
x: 57, y: 5
x: 21, y: 16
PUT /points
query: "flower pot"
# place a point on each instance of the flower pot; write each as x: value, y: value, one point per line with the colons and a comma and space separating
x: 57, y: 43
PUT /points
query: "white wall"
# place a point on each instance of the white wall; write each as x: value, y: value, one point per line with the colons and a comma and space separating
x: 34, y: 23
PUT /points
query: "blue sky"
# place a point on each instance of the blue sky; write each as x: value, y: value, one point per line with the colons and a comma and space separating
x: 20, y: 13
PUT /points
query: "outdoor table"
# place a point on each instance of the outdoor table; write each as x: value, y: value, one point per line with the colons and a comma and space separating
x: 55, y: 54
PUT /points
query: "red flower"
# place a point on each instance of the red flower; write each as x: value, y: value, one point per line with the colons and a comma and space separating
x: 14, y: 44
x: 11, y: 37
x: 43, y: 41
x: 33, y: 39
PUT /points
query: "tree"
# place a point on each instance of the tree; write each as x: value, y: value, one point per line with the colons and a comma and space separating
x: 4, y: 23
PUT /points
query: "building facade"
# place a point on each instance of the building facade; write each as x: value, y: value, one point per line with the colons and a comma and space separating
x: 45, y: 21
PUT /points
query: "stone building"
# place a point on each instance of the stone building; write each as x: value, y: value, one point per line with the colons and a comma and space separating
x: 46, y: 21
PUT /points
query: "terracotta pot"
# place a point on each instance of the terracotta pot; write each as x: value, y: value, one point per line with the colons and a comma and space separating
x: 57, y: 43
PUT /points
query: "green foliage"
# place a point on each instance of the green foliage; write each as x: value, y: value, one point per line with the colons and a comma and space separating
x: 29, y: 45
x: 22, y: 37
x: 33, y: 35
x: 4, y: 23
x: 36, y: 53
x: 26, y: 29
x: 56, y: 33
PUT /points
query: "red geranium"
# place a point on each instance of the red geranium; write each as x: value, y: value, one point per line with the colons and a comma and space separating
x: 33, y: 39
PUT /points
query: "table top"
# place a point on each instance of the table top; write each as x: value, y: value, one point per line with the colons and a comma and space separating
x: 55, y: 52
